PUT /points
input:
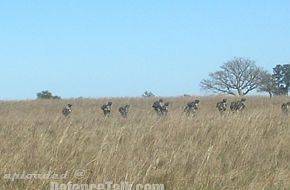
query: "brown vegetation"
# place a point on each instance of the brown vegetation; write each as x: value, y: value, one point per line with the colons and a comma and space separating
x: 249, y: 150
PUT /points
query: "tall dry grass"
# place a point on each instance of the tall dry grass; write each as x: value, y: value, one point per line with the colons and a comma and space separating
x: 249, y: 150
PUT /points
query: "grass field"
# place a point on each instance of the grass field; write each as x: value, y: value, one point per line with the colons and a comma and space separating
x: 249, y: 150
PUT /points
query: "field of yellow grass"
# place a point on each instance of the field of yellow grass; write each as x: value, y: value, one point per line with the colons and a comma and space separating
x: 249, y: 150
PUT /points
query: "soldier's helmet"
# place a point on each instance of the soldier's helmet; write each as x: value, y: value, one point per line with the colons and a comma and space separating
x: 110, y: 103
x: 243, y: 100
x: 224, y: 100
x: 69, y: 105
x: 288, y: 103
x: 160, y: 100
x: 127, y: 106
x: 166, y: 104
x: 196, y: 101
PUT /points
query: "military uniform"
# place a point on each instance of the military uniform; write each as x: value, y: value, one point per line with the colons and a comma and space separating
x: 222, y: 106
x: 238, y: 105
x: 124, y: 110
x: 107, y: 108
x: 66, y: 111
x: 164, y: 108
x: 285, y: 107
x: 191, y: 107
x: 157, y: 106
x: 241, y: 104
x: 160, y: 107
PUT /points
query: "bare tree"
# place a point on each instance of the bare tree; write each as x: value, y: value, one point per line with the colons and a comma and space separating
x: 238, y: 76
x: 267, y: 84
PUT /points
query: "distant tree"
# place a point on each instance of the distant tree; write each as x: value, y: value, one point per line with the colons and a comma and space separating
x: 267, y: 84
x: 56, y: 97
x: 281, y: 76
x: 238, y: 76
x: 46, y: 95
x: 148, y: 94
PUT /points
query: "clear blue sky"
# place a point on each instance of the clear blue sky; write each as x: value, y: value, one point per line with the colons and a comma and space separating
x: 111, y: 48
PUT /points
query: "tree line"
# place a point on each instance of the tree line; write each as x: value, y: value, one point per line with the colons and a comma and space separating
x: 239, y: 76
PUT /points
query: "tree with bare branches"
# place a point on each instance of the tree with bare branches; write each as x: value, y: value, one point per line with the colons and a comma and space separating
x: 267, y: 84
x: 238, y: 76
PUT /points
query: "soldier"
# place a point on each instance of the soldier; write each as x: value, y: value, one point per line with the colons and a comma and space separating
x: 285, y: 107
x: 222, y: 106
x: 157, y: 105
x: 239, y: 105
x: 107, y: 108
x: 191, y: 107
x: 124, y: 110
x: 66, y: 111
x: 160, y: 107
x: 164, y: 108
x: 233, y: 106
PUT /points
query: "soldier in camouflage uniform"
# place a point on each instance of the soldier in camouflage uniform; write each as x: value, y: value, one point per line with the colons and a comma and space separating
x: 233, y: 106
x: 124, y: 110
x: 164, y: 108
x: 107, y: 108
x: 241, y: 104
x: 238, y: 106
x: 157, y: 106
x: 66, y: 111
x: 160, y: 107
x: 191, y: 107
x: 222, y: 106
x: 285, y: 107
